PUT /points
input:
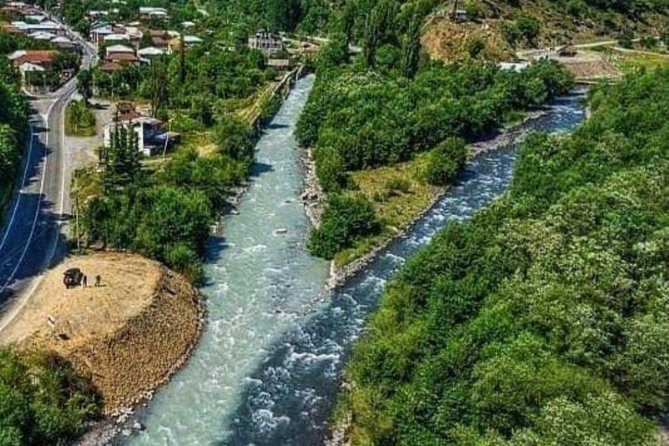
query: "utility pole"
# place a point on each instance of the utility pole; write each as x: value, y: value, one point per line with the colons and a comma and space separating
x: 76, y: 213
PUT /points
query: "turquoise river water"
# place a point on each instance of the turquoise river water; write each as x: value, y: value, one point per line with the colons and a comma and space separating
x: 268, y: 365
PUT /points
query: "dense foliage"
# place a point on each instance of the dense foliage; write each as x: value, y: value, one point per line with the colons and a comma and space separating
x: 13, y: 124
x: 543, y: 320
x: 43, y: 401
x: 445, y: 161
x: 344, y: 221
x: 358, y: 120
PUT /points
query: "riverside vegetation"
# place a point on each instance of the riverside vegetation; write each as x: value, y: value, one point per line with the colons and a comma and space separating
x: 14, y: 130
x: 376, y: 112
x: 543, y: 320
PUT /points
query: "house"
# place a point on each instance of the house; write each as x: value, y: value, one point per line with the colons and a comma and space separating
x: 279, y: 64
x: 148, y: 53
x: 45, y: 26
x: 267, y: 42
x: 118, y: 49
x: 124, y: 59
x: 42, y: 35
x: 149, y: 13
x: 133, y: 33
x: 110, y: 67
x: 35, y: 18
x: 112, y: 39
x: 567, y: 51
x: 513, y: 66
x: 151, y: 137
x: 63, y: 43
x: 99, y: 32
x: 190, y: 41
x: 43, y: 58
x: 96, y: 14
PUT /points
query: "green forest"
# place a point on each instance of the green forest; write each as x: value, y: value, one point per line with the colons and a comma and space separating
x: 13, y: 128
x: 543, y: 320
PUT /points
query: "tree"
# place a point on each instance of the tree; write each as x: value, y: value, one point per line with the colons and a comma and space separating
x: 121, y: 158
x: 411, y: 52
x: 85, y: 81
x: 345, y: 220
x: 445, y: 161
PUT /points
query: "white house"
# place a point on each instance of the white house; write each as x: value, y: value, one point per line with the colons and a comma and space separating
x: 41, y: 35
x: 119, y: 49
x: 149, y: 12
x: 151, y: 51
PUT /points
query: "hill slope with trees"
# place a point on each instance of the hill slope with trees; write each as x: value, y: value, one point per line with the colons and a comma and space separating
x: 543, y: 320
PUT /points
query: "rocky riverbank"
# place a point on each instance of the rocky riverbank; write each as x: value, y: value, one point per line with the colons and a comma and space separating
x: 313, y: 197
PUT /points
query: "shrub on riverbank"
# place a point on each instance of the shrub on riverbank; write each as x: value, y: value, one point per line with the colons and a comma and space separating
x: 345, y: 220
x: 445, y: 162
x: 540, y: 321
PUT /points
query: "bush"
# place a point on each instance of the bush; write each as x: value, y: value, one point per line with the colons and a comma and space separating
x: 473, y: 10
x: 79, y: 119
x: 345, y: 220
x: 626, y: 40
x: 529, y: 28
x: 475, y: 46
x: 43, y: 401
x: 578, y: 9
x: 234, y: 138
x: 445, y: 162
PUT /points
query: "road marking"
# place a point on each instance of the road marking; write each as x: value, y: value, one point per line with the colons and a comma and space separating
x: 37, y: 211
x: 23, y: 182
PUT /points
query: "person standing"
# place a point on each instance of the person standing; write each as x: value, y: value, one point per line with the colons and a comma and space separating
x: 85, y: 281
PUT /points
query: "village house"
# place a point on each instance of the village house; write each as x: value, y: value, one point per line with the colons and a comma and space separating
x: 113, y: 39
x: 151, y: 137
x: 190, y: 41
x: 279, y: 64
x: 110, y: 67
x: 267, y: 42
x: 45, y: 26
x: 118, y: 49
x: 152, y: 13
x: 148, y: 53
x: 63, y: 43
x: 123, y: 59
x: 99, y: 32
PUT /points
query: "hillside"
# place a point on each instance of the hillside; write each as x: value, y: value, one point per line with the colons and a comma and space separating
x: 505, y: 26
x: 543, y: 320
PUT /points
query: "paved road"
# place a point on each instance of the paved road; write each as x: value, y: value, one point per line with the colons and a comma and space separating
x: 32, y: 237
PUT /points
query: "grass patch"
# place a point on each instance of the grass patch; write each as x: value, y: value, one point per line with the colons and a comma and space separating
x: 398, y: 193
x: 79, y: 120
x: 631, y: 62
x: 397, y: 206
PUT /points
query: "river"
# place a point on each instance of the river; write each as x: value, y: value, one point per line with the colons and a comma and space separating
x: 267, y: 368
